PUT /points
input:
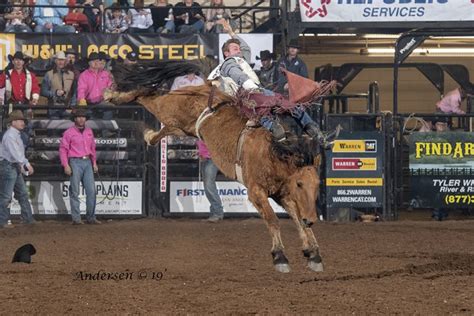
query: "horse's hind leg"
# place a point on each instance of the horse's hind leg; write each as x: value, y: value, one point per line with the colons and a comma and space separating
x: 152, y: 137
x: 260, y: 201
x: 310, y: 245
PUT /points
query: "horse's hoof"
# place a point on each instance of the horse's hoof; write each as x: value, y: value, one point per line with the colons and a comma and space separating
x: 282, y: 267
x: 315, y: 266
x: 148, y: 136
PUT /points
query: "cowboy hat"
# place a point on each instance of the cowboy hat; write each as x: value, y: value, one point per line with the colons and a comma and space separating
x: 103, y: 56
x: 15, y: 116
x: 294, y: 43
x: 93, y: 56
x: 70, y: 51
x: 18, y: 55
x: 24, y: 253
x: 266, y: 55
x: 60, y: 55
x: 78, y: 113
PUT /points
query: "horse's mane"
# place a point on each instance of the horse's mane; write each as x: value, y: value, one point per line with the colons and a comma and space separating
x: 299, y: 151
x: 151, y: 76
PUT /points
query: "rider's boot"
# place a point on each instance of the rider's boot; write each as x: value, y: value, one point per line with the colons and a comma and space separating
x: 278, y: 132
x: 325, y: 140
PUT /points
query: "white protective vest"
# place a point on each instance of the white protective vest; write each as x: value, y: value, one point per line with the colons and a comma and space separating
x: 227, y: 84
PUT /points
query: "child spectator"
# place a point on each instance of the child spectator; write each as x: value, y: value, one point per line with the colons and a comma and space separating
x: 116, y: 21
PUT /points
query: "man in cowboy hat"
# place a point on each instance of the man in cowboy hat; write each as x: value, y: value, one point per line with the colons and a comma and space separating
x: 267, y: 72
x: 292, y: 63
x: 93, y: 82
x: 78, y: 158
x: 13, y: 164
x: 58, y: 86
x: 21, y: 85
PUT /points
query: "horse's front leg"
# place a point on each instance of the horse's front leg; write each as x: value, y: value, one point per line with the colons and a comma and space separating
x: 310, y: 245
x: 260, y: 200
x: 152, y: 137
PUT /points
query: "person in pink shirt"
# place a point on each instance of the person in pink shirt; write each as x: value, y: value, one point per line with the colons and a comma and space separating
x: 451, y: 102
x: 93, y: 82
x: 78, y: 158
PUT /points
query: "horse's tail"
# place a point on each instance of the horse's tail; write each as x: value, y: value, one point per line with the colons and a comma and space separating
x: 151, y: 77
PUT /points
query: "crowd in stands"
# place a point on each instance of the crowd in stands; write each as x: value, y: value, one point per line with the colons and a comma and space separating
x: 69, y: 16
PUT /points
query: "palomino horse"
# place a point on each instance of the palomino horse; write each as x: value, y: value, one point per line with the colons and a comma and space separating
x: 287, y: 173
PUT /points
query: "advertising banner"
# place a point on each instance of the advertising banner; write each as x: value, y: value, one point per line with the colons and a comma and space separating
x: 354, y: 170
x: 386, y: 10
x: 113, y: 198
x: 442, y: 169
x: 149, y: 47
x: 189, y: 197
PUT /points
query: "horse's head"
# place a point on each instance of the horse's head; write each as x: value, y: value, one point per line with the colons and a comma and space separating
x: 300, y: 192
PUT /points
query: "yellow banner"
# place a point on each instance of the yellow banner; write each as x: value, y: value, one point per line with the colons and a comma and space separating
x: 354, y: 182
x: 354, y: 146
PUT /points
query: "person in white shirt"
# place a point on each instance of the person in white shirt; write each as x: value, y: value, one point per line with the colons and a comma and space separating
x: 140, y: 18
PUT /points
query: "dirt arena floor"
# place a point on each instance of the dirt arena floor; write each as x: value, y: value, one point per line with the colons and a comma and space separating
x: 182, y: 266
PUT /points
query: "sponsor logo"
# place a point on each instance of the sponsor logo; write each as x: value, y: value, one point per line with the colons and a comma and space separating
x: 222, y: 192
x: 408, y: 46
x: 364, y: 164
x: 354, y: 182
x: 355, y: 146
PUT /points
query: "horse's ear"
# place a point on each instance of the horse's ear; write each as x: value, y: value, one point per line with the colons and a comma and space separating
x: 317, y: 161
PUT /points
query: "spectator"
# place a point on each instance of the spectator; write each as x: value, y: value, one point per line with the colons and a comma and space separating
x: 188, y: 17
x: 71, y: 63
x: 131, y: 58
x: 451, y: 102
x: 2, y: 12
x: 92, y: 84
x: 141, y: 19
x: 58, y: 86
x: 51, y: 19
x: 268, y: 70
x: 18, y: 19
x: 190, y: 79
x: 209, y: 174
x: 13, y: 164
x: 163, y: 18
x: 78, y: 158
x: 77, y: 18
x: 21, y: 85
x: 215, y: 14
x: 93, y: 10
x: 292, y: 63
x: 116, y: 21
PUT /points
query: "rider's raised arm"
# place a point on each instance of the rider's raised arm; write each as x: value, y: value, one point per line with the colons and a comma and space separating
x: 244, y: 49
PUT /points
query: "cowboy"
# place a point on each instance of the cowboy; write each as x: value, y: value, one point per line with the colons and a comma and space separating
x: 266, y: 75
x: 292, y: 63
x: 58, y: 86
x: 21, y: 85
x: 93, y: 82
x: 13, y: 164
x: 235, y: 72
x: 78, y: 158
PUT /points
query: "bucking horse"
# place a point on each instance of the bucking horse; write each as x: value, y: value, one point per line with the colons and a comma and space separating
x: 286, y: 172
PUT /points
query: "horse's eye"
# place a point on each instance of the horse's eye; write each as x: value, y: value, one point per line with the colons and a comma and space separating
x: 299, y: 184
